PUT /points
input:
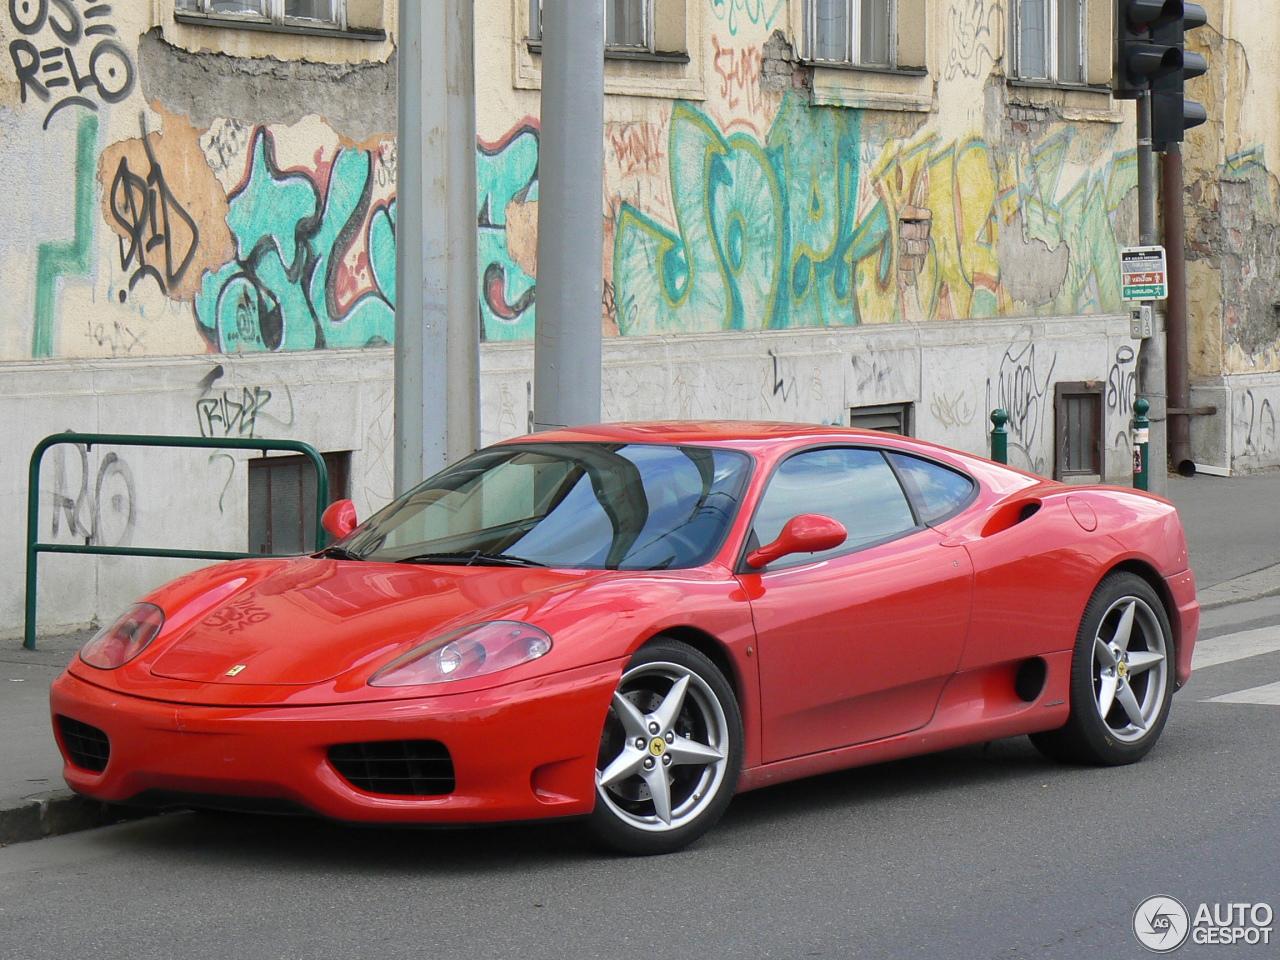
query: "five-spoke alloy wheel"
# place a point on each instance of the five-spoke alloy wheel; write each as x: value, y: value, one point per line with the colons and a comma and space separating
x: 670, y: 753
x: 1121, y: 677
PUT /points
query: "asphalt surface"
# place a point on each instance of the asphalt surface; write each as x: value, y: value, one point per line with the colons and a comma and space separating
x: 984, y: 852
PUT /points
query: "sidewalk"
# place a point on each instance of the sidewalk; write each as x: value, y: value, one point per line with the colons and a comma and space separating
x: 1233, y: 529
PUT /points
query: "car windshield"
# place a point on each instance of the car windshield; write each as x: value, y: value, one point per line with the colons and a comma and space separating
x: 596, y: 506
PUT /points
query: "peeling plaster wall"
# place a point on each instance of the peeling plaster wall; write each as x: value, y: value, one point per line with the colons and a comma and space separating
x: 1232, y: 200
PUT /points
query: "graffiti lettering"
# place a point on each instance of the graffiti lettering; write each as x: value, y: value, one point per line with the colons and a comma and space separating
x: 507, y: 198
x: 1121, y: 381
x: 161, y: 237
x: 754, y: 11
x: 224, y: 417
x: 783, y: 385
x: 1258, y: 423
x: 637, y: 147
x: 58, y: 70
x: 952, y: 411
x: 315, y: 263
x: 739, y: 72
x: 1022, y: 389
x: 974, y: 28
x: 104, y: 516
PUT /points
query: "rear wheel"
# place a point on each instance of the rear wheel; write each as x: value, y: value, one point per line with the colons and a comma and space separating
x: 1121, y: 677
x: 670, y: 752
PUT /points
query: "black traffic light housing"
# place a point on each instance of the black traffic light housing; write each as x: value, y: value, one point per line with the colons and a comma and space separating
x: 1140, y: 57
x: 1171, y: 113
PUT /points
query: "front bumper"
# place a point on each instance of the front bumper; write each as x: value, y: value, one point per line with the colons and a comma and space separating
x: 520, y: 751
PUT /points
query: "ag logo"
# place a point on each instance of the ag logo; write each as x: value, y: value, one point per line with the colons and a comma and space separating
x: 1161, y: 924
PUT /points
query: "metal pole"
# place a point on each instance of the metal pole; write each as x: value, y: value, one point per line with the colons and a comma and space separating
x: 1179, y: 385
x: 567, y: 340
x: 999, y: 436
x: 1141, y: 445
x: 1151, y: 359
x: 437, y: 347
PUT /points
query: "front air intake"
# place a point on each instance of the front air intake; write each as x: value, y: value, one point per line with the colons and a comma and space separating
x: 87, y: 747
x: 402, y: 768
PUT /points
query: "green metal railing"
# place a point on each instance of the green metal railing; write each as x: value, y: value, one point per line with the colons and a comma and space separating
x: 35, y: 548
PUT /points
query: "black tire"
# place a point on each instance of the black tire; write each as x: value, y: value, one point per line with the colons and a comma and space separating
x: 1124, y: 727
x: 696, y: 752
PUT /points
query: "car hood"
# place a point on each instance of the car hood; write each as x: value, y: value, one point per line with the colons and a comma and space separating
x: 311, y: 620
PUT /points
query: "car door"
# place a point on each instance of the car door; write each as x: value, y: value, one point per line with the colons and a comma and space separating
x: 856, y: 643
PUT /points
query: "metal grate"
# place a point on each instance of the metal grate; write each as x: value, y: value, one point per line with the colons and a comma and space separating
x: 405, y: 768
x: 87, y: 746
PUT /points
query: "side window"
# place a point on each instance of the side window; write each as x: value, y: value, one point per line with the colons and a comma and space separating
x: 936, y: 489
x: 853, y: 485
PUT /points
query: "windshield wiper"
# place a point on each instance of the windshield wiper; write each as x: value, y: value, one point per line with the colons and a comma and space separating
x: 473, y: 558
x: 339, y: 553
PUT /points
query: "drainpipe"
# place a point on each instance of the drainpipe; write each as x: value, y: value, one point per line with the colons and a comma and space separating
x: 1179, y: 389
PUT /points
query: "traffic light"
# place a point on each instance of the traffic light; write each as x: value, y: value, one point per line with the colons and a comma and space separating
x: 1171, y: 114
x: 1140, y: 58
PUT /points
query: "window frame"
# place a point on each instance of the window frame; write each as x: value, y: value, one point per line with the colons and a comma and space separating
x: 749, y: 532
x: 853, y: 39
x: 1052, y: 53
x: 275, y: 19
x: 647, y: 47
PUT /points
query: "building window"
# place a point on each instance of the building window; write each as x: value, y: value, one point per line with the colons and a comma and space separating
x: 283, y: 13
x: 1049, y: 41
x: 282, y: 500
x: 628, y: 24
x: 1077, y: 411
x: 855, y: 32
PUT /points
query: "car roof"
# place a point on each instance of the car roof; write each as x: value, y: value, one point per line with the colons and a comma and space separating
x: 695, y: 431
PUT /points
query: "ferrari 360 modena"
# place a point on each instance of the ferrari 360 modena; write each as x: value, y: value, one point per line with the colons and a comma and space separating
x: 629, y: 623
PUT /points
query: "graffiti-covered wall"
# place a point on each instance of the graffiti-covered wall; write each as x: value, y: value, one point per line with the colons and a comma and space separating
x: 764, y: 205
x: 170, y: 200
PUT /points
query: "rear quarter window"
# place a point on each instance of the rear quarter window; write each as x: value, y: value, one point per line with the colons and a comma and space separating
x: 937, y: 491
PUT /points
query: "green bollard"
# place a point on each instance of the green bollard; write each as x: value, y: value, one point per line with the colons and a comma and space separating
x: 999, y: 436
x: 1141, y: 442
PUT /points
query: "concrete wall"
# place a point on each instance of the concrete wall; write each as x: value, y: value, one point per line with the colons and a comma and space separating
x: 952, y: 374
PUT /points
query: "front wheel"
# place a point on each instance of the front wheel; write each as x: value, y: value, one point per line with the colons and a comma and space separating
x: 1121, y: 677
x: 670, y: 753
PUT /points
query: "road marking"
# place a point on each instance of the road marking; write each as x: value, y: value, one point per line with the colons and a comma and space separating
x: 1235, y: 646
x: 1268, y: 694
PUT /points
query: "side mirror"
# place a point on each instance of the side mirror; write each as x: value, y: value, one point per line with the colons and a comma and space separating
x: 339, y: 518
x: 807, y: 533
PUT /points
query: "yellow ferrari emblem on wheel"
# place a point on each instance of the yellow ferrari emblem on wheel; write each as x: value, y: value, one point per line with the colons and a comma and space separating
x: 657, y: 746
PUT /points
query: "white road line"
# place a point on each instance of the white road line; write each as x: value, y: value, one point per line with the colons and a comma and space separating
x: 1235, y: 646
x: 1268, y: 694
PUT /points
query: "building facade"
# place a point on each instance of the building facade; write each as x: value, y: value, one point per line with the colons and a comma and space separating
x: 895, y: 213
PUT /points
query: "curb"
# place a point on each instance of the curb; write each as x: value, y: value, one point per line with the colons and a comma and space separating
x: 1251, y: 586
x: 58, y: 813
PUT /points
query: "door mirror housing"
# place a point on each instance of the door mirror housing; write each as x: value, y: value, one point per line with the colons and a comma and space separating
x: 339, y: 518
x: 807, y: 533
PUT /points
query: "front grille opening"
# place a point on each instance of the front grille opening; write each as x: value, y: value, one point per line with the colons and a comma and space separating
x: 88, y: 747
x: 403, y: 768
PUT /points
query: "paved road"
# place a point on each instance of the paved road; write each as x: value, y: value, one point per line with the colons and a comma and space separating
x: 983, y: 852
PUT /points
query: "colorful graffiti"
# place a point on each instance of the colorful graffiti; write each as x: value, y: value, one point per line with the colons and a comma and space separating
x: 816, y: 226
x: 62, y: 258
x: 507, y: 195
x: 315, y: 257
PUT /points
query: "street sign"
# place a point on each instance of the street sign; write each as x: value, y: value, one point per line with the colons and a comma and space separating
x: 1143, y: 274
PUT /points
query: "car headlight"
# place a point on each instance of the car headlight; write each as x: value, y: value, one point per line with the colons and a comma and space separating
x: 470, y: 652
x: 115, y: 645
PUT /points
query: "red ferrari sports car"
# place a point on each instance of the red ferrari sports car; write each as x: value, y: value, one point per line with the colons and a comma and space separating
x: 629, y: 623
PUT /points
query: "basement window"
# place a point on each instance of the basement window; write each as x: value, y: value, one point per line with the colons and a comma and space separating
x: 282, y: 500
x: 886, y: 417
